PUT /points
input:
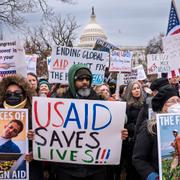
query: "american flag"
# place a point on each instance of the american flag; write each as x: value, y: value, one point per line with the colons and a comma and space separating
x: 173, y: 28
x: 173, y: 23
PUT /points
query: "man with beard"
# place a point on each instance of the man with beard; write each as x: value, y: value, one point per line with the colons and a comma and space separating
x: 80, y: 79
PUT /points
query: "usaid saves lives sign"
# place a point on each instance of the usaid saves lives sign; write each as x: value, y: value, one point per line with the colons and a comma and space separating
x: 77, y: 131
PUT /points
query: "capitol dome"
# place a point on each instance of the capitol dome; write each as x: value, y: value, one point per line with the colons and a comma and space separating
x: 91, y: 32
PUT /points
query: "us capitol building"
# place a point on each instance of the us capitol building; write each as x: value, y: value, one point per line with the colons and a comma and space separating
x: 93, y: 30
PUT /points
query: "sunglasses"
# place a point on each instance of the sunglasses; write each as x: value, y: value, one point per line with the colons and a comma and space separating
x: 83, y: 77
x: 15, y: 93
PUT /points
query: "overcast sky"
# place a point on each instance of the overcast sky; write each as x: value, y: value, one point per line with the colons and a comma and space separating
x: 125, y: 22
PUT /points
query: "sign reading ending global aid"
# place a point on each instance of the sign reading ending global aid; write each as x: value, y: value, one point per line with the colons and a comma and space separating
x: 78, y: 131
x: 64, y: 57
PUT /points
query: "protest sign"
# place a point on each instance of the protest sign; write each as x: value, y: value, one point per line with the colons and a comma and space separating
x: 171, y: 46
x: 13, y: 144
x: 137, y: 73
x: 64, y: 57
x: 157, y: 63
x: 140, y: 72
x: 125, y: 78
x: 168, y: 143
x: 77, y: 131
x: 31, y: 61
x: 102, y: 45
x: 12, y: 58
x: 120, y: 61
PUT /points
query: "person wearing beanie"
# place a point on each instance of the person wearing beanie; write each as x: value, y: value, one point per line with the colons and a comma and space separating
x: 157, y: 84
x: 44, y: 87
x: 145, y: 154
x: 80, y: 80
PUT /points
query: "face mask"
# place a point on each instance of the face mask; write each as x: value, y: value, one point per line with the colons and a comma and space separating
x: 84, y: 92
x: 174, y: 108
x: 13, y: 98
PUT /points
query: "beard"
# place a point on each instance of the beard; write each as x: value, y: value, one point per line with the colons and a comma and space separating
x: 85, y: 92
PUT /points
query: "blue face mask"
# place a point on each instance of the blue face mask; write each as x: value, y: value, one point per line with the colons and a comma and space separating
x: 14, y: 98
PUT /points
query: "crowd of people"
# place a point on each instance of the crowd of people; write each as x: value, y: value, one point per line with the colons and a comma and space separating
x: 139, y: 156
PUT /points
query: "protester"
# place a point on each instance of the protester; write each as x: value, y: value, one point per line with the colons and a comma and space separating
x: 103, y: 91
x: 157, y: 84
x: 143, y: 114
x: 80, y: 79
x: 61, y: 90
x: 16, y: 93
x: 175, y: 83
x: 122, y: 91
x: 134, y: 98
x: 33, y: 80
x: 11, y: 130
x: 145, y: 154
x: 44, y: 87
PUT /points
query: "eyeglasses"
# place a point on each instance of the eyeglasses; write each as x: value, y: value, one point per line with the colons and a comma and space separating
x: 83, y: 77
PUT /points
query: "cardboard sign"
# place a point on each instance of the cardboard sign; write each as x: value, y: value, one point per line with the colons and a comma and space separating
x: 77, y: 131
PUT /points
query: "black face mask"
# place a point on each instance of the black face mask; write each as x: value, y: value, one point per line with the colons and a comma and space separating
x: 14, y: 98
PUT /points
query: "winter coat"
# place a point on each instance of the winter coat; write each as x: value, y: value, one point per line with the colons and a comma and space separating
x: 145, y: 153
x: 78, y: 170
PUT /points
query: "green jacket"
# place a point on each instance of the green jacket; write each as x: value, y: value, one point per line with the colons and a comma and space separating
x: 71, y: 76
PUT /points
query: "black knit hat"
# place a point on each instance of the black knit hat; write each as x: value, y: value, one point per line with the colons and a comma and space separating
x: 158, y: 83
x: 83, y: 72
x: 162, y: 96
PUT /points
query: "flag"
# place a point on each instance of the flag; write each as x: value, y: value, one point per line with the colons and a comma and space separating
x: 174, y: 73
x: 173, y: 28
x: 174, y: 23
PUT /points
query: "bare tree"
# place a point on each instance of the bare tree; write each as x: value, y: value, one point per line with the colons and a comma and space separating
x: 155, y: 45
x: 63, y: 30
x: 11, y: 11
x: 59, y: 31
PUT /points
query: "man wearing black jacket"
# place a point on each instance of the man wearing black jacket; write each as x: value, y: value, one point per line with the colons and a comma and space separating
x: 80, y: 79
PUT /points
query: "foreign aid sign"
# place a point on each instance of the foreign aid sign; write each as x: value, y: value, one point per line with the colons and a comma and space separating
x: 77, y: 131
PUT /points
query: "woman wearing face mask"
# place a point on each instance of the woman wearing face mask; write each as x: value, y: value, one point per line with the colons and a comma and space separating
x: 145, y: 154
x: 16, y: 93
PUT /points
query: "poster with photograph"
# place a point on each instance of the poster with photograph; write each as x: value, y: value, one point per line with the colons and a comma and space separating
x: 168, y: 126
x: 13, y: 144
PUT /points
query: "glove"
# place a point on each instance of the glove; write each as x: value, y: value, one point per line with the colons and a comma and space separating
x: 153, y: 176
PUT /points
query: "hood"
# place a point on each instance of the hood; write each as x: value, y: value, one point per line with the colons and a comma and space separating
x: 20, y: 81
x: 71, y: 74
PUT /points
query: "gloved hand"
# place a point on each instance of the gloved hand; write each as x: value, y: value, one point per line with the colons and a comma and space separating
x: 153, y: 176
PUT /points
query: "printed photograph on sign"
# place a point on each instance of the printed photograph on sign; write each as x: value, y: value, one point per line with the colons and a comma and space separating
x: 13, y: 144
x: 169, y: 145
